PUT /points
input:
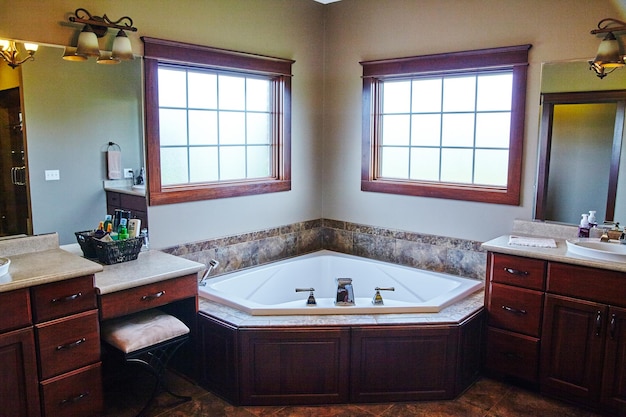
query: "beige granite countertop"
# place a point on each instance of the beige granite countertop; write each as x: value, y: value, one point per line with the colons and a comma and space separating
x: 124, y: 187
x: 150, y: 266
x: 37, y: 260
x: 557, y: 231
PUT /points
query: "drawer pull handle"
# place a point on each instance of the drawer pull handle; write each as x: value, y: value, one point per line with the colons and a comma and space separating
x: 74, y: 399
x: 516, y: 272
x: 153, y: 296
x: 511, y: 355
x: 598, y: 322
x: 72, y: 345
x: 612, y: 325
x: 514, y: 310
x: 67, y: 298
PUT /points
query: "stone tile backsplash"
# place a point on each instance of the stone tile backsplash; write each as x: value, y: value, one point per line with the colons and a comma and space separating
x: 430, y: 252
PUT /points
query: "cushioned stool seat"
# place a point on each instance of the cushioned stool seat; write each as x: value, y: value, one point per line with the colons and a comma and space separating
x: 149, y: 338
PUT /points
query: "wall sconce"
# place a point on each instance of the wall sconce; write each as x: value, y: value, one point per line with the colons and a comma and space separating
x: 609, y: 56
x: 96, y: 27
x: 9, y: 52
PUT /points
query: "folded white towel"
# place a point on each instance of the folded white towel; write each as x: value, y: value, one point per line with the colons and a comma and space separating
x: 114, y: 165
x: 537, y: 242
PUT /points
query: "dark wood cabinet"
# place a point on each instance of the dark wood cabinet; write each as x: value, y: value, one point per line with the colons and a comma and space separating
x: 578, y: 350
x: 136, y: 204
x: 19, y: 388
x: 572, y: 351
x: 514, y: 300
x: 67, y: 335
x: 351, y: 363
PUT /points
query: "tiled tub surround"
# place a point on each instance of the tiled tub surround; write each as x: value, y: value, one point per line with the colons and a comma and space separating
x: 434, y: 253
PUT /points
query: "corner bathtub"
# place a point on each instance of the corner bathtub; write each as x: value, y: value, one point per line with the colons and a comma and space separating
x: 270, y: 289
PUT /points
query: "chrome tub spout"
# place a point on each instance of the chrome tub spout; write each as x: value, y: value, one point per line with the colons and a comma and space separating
x: 210, y: 267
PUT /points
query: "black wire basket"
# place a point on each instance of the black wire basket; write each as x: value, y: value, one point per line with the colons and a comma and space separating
x: 86, y: 243
x: 117, y: 251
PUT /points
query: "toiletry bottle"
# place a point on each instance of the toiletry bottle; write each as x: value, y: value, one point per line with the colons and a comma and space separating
x: 123, y: 234
x: 146, y: 242
x: 592, y: 218
x: 107, y: 222
x: 134, y: 225
x: 584, y: 222
x: 99, y: 233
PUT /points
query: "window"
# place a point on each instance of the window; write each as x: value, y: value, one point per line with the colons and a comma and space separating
x: 447, y: 126
x: 217, y: 122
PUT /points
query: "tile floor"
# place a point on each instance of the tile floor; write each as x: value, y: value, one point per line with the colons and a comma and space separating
x: 486, y: 398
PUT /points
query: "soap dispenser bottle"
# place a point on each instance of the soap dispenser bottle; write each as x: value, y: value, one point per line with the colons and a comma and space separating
x: 592, y: 218
x: 583, y: 228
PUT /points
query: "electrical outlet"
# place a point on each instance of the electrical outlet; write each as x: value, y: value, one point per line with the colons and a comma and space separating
x: 52, y: 175
x: 128, y: 173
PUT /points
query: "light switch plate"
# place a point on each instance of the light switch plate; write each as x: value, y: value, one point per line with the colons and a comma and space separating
x: 52, y: 175
x: 128, y: 173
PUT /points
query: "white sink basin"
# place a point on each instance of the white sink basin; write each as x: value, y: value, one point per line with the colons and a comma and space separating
x: 593, y: 248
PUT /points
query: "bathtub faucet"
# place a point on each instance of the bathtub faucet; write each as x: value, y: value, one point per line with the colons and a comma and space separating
x: 210, y: 267
x: 310, y: 302
x: 378, y: 299
x: 345, y: 293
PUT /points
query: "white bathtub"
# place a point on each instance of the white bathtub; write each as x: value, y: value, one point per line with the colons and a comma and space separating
x: 270, y: 289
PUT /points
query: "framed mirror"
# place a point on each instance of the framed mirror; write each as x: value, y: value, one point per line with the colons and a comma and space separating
x: 580, y: 144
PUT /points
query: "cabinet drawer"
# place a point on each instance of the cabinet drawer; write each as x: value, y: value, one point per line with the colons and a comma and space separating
x: 521, y: 272
x: 593, y: 284
x: 129, y: 301
x: 68, y: 343
x: 113, y: 199
x: 75, y: 394
x: 512, y: 354
x: 63, y: 298
x: 132, y: 202
x: 14, y: 309
x: 516, y: 309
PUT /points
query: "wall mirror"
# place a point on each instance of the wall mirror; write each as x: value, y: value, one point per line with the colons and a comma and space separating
x: 71, y: 110
x: 580, y: 144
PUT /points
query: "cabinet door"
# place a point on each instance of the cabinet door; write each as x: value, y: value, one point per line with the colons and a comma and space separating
x: 19, y: 390
x: 572, y: 347
x: 614, y: 381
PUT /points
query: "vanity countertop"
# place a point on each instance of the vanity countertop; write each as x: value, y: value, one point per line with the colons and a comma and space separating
x: 150, y: 266
x: 558, y: 254
x: 141, y: 192
x: 43, y: 267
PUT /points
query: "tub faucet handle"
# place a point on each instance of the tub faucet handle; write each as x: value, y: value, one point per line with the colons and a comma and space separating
x: 311, y: 300
x: 378, y: 299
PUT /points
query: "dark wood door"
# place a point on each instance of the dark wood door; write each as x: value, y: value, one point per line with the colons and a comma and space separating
x: 614, y: 379
x: 572, y: 347
x: 19, y: 388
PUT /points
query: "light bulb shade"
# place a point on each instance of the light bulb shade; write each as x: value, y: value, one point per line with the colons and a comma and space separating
x: 609, y: 53
x: 106, y: 58
x: 88, y: 43
x: 4, y: 44
x: 31, y: 48
x: 121, y: 47
x: 71, y: 55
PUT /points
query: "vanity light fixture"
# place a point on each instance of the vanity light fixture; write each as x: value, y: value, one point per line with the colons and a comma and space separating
x: 96, y: 27
x: 609, y: 56
x: 9, y: 52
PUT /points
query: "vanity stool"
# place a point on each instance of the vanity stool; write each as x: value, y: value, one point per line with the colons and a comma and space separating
x: 149, y: 338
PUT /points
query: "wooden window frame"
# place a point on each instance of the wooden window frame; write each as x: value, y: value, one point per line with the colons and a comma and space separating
x: 513, y: 58
x: 187, y: 55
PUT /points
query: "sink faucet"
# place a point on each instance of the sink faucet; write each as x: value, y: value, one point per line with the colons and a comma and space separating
x: 610, y: 231
x: 345, y: 293
x: 210, y: 267
x: 378, y: 299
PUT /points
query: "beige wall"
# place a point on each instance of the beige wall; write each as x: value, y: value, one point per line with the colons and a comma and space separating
x: 284, y: 28
x: 358, y: 30
x: 327, y: 43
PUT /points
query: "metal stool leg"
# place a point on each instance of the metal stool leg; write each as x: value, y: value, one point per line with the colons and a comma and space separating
x: 155, y: 360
